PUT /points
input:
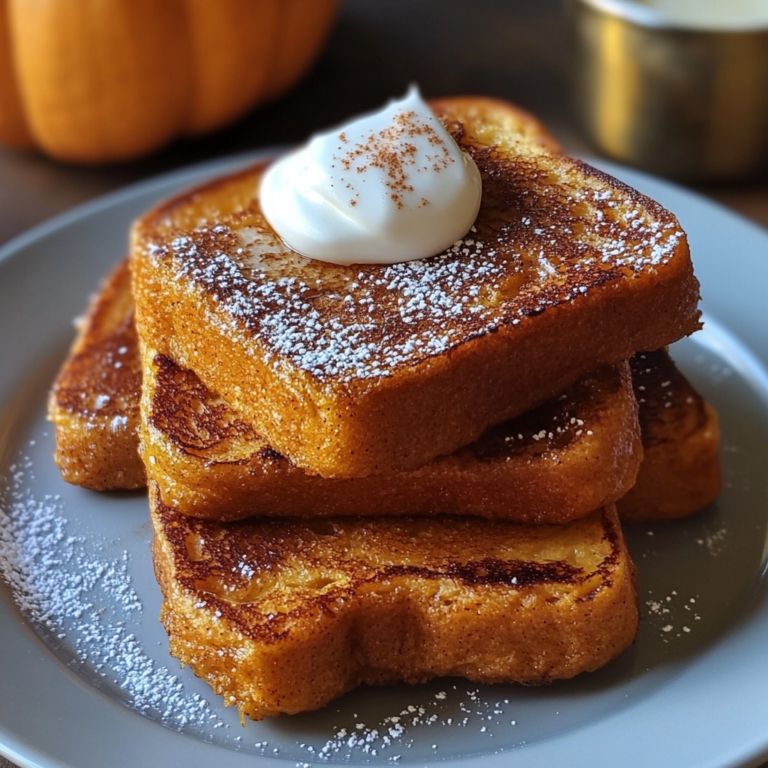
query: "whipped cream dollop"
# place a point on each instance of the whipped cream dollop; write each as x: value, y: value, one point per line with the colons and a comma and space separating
x: 388, y: 187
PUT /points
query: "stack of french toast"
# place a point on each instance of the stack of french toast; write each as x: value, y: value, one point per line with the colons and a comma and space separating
x: 369, y: 474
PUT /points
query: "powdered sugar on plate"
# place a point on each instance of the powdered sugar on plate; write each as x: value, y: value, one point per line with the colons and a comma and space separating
x: 673, y: 614
x: 83, y: 602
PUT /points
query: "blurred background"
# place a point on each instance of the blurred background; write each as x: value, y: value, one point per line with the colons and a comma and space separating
x: 514, y: 49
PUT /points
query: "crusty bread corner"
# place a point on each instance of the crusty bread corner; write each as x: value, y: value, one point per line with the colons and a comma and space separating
x: 284, y: 616
x: 568, y: 270
x: 495, y: 122
x: 93, y: 402
x: 681, y: 471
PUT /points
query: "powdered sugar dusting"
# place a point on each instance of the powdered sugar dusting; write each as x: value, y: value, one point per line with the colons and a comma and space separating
x: 673, y: 614
x: 391, y: 737
x: 713, y: 540
x: 85, y: 603
x: 526, y: 253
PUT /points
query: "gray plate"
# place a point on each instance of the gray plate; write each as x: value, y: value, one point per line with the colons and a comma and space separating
x: 86, y: 677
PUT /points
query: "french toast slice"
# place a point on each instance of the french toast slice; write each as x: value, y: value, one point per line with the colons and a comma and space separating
x: 561, y: 461
x: 283, y: 616
x: 210, y: 464
x: 94, y: 402
x: 350, y: 371
x: 681, y: 472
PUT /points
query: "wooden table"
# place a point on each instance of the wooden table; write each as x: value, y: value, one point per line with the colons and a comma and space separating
x: 514, y: 49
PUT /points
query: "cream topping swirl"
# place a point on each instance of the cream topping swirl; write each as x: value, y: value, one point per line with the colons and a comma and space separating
x: 388, y: 187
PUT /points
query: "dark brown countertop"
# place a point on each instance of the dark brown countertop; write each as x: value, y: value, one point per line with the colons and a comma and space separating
x: 513, y: 49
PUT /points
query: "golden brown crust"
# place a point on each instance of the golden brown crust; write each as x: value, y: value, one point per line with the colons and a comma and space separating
x: 568, y: 270
x: 498, y: 117
x: 681, y: 472
x: 216, y: 466
x: 283, y: 616
x: 94, y: 400
x: 560, y: 462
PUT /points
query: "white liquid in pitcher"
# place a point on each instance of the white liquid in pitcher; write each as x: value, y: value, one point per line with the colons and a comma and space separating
x: 710, y: 14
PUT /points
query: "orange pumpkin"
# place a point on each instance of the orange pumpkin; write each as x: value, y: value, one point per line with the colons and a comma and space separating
x: 95, y: 82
